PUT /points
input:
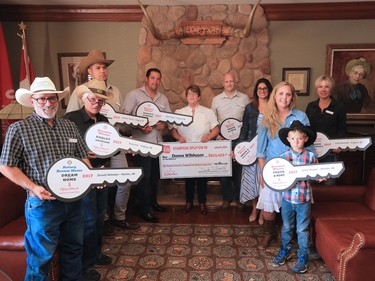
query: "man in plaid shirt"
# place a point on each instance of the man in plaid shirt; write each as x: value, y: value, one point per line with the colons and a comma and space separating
x: 296, y: 202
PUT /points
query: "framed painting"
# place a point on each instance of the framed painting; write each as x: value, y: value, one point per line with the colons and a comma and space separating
x: 358, y: 96
x: 299, y: 78
x: 69, y: 74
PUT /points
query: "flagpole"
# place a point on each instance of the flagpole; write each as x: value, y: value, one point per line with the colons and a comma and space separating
x: 24, y: 47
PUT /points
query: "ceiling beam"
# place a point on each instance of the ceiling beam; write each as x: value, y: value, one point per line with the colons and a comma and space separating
x: 133, y: 13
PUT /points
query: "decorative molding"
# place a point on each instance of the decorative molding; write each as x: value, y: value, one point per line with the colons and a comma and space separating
x: 320, y: 11
x: 70, y: 13
x: 127, y: 13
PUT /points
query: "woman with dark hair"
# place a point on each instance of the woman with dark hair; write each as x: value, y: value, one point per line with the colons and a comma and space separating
x: 203, y: 129
x: 251, y: 120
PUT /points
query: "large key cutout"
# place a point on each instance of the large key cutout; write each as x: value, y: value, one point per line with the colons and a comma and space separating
x: 280, y: 175
x: 154, y: 115
x: 103, y: 139
x: 69, y: 179
x: 116, y: 117
x: 323, y: 144
x: 245, y: 152
x: 230, y: 128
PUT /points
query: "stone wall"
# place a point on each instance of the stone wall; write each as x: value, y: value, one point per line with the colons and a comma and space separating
x: 204, y: 65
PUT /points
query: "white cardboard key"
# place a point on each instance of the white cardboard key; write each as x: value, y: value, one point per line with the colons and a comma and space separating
x: 69, y: 178
x: 103, y: 139
x: 230, y: 128
x: 323, y: 144
x: 151, y: 111
x: 245, y: 151
x: 280, y: 175
x: 116, y: 117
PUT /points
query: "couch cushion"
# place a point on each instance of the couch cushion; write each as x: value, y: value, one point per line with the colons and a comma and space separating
x: 12, y: 235
x: 370, y: 194
x: 333, y: 238
x: 341, y: 211
x: 12, y: 201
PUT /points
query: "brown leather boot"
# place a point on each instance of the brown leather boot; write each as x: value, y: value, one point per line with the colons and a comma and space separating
x: 269, y: 234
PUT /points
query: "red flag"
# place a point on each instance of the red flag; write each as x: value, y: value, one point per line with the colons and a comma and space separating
x: 6, y: 82
x: 26, y: 70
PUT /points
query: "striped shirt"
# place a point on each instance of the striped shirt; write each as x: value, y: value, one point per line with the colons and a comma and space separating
x: 301, y: 192
x: 33, y: 146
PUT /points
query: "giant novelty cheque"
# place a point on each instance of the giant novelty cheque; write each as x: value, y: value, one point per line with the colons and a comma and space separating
x: 196, y: 160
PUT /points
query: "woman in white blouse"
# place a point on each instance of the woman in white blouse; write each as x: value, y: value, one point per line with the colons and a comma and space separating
x: 203, y: 129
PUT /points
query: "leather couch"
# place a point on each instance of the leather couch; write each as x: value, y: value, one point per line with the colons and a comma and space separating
x: 12, y: 230
x: 343, y: 229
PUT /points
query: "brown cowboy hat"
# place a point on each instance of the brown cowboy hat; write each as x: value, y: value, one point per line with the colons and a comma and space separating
x: 310, y: 132
x: 94, y: 56
x: 96, y: 87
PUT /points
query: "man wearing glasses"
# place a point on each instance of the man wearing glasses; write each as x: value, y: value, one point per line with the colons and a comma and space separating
x: 30, y: 147
x: 93, y: 96
x: 230, y: 104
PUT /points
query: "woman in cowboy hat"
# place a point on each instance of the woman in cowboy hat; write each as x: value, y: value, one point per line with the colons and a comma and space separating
x: 30, y: 147
x: 352, y: 93
x: 93, y: 95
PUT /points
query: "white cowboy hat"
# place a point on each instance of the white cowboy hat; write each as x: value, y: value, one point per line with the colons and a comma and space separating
x: 41, y: 85
x: 96, y: 87
x: 94, y: 56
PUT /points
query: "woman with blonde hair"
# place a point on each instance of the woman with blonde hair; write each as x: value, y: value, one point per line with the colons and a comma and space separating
x: 280, y: 113
x: 327, y: 115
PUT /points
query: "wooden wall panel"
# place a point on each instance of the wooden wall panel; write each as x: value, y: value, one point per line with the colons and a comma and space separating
x: 126, y: 13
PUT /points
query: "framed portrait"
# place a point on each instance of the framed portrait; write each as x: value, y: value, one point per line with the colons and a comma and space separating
x: 340, y: 57
x: 299, y: 78
x: 69, y: 74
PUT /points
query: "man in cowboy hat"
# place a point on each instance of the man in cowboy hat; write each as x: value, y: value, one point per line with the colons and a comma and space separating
x: 93, y: 95
x: 352, y: 93
x: 31, y: 146
x: 296, y: 202
x: 96, y: 65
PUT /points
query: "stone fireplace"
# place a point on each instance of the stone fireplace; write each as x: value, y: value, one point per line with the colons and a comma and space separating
x: 204, y: 64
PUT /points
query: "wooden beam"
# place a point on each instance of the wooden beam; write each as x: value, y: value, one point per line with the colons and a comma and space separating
x: 133, y: 13
x: 320, y: 11
x: 56, y: 13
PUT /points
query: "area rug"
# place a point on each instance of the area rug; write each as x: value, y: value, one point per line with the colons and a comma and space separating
x: 197, y: 252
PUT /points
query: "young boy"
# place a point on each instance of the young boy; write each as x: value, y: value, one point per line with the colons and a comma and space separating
x: 296, y: 202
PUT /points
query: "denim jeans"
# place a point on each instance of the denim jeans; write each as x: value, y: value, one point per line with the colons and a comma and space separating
x: 52, y: 223
x: 289, y: 213
x: 94, y: 209
x: 226, y: 184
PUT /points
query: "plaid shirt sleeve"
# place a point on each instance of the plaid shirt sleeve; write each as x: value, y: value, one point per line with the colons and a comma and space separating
x: 301, y: 192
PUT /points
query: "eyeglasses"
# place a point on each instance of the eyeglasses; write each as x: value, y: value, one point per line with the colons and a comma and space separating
x: 94, y: 101
x: 265, y: 89
x: 42, y: 100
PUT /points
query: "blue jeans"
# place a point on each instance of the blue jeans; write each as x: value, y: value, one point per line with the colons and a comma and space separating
x: 289, y: 213
x: 94, y: 209
x: 226, y: 184
x: 52, y: 223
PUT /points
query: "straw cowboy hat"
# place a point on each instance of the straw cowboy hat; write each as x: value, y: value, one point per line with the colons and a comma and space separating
x: 94, y: 56
x: 96, y: 87
x: 41, y: 85
x: 356, y: 62
x: 310, y: 132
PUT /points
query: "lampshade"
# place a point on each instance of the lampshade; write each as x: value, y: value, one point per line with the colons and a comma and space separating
x: 15, y: 111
